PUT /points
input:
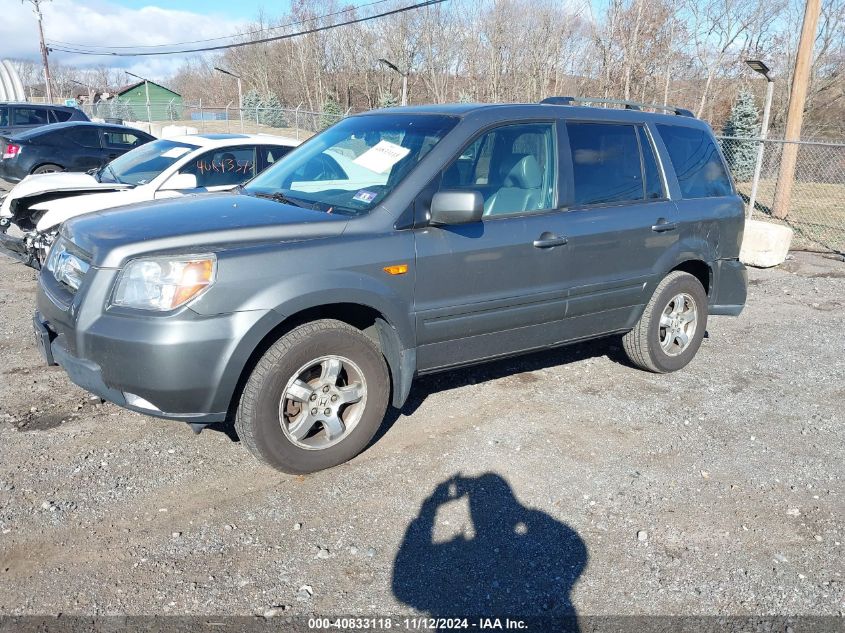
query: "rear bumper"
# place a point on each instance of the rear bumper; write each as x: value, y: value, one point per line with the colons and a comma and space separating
x: 730, y: 287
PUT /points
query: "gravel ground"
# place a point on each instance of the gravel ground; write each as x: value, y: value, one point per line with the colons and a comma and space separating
x: 551, y: 483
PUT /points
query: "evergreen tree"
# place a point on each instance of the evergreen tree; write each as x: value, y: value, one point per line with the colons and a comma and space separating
x: 271, y: 113
x: 465, y: 97
x: 387, y: 100
x: 742, y: 123
x: 252, y: 100
x: 331, y: 114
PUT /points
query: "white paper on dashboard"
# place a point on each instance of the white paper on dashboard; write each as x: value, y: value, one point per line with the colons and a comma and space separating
x: 382, y: 156
x: 175, y: 152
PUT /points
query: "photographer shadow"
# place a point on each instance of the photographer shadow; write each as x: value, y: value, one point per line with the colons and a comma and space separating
x: 515, y: 562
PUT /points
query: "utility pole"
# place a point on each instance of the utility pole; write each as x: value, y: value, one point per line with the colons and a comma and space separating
x: 48, y: 91
x: 403, y: 74
x: 795, y: 114
x: 240, y: 94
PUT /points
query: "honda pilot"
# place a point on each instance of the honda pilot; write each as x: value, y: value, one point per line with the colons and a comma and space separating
x: 394, y: 244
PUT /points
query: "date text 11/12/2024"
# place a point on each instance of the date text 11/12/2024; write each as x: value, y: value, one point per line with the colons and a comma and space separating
x: 417, y: 623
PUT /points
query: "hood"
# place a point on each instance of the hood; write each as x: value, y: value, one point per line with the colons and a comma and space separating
x: 46, y: 185
x: 63, y: 209
x: 210, y: 222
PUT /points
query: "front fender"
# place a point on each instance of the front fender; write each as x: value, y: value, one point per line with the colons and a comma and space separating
x: 294, y: 295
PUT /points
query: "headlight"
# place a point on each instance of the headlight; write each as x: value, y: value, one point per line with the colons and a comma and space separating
x: 66, y: 267
x: 164, y: 283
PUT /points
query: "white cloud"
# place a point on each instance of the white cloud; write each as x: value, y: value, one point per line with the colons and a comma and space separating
x: 101, y: 22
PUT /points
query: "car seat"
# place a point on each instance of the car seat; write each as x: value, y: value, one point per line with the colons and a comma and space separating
x: 521, y: 188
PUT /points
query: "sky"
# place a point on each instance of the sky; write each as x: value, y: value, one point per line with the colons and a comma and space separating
x: 125, y: 23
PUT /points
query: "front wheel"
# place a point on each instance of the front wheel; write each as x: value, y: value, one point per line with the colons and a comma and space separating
x: 315, y: 399
x: 671, y: 328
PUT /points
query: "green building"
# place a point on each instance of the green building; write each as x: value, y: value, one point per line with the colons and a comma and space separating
x: 165, y: 105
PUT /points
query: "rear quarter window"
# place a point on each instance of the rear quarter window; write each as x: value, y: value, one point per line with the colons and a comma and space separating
x: 696, y: 161
x: 61, y: 115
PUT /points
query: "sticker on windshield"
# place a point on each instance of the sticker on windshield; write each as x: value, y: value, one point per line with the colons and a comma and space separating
x: 382, y: 156
x: 365, y: 196
x: 175, y: 152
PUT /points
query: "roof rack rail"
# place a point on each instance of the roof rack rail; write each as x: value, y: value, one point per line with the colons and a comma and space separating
x: 629, y: 105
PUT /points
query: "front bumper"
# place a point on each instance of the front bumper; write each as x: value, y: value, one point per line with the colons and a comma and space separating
x: 14, y: 247
x: 178, y: 366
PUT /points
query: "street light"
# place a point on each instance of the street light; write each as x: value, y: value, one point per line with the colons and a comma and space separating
x: 760, y: 67
x: 240, y: 94
x: 404, y: 76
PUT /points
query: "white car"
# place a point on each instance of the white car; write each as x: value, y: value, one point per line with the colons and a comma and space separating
x: 32, y: 212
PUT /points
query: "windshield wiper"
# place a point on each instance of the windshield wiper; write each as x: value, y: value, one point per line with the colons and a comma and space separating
x: 280, y: 197
x: 114, y: 175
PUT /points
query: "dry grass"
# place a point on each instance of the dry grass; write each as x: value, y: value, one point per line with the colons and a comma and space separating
x: 816, y: 212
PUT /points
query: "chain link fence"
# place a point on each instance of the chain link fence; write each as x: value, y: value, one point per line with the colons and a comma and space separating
x: 816, y: 208
x: 297, y: 122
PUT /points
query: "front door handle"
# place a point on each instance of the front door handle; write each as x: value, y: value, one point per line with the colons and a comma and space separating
x: 664, y: 225
x: 549, y: 240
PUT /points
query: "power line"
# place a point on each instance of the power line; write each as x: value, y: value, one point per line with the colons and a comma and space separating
x: 93, y: 47
x: 274, y: 38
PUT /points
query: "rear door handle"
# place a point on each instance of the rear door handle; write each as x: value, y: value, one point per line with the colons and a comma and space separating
x: 664, y: 225
x: 549, y: 240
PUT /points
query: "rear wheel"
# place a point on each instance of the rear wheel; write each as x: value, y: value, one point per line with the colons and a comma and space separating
x: 315, y: 399
x: 47, y: 169
x: 671, y: 328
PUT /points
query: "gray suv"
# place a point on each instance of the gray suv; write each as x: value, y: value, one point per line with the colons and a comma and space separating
x: 397, y: 243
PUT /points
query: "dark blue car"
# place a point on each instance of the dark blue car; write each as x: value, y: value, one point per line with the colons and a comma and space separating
x: 72, y: 146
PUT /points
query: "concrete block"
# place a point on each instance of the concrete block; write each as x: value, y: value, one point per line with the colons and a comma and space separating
x: 765, y: 244
x: 169, y: 131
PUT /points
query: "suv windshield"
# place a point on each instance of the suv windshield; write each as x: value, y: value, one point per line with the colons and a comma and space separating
x: 354, y: 165
x: 142, y: 164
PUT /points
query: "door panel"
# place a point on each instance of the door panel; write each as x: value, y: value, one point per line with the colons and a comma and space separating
x: 485, y: 290
x: 620, y: 223
x: 613, y: 251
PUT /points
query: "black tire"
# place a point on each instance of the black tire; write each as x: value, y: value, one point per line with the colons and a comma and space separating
x: 47, y: 169
x: 258, y: 420
x: 643, y: 344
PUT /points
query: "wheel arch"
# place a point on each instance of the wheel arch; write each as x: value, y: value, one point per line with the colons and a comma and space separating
x: 400, y: 358
x: 37, y: 166
x: 699, y: 269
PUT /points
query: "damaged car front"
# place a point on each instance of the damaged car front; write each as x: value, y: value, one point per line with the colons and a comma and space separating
x: 32, y: 212
x: 26, y: 204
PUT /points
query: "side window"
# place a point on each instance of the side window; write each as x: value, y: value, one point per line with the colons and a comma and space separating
x: 697, y: 164
x: 4, y: 116
x: 513, y: 167
x: 653, y: 181
x: 83, y: 135
x: 272, y: 153
x: 29, y: 116
x: 59, y: 116
x: 224, y: 167
x: 122, y: 140
x: 606, y: 164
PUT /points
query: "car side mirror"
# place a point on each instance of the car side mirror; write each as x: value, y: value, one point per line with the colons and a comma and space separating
x: 456, y: 207
x: 180, y: 182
